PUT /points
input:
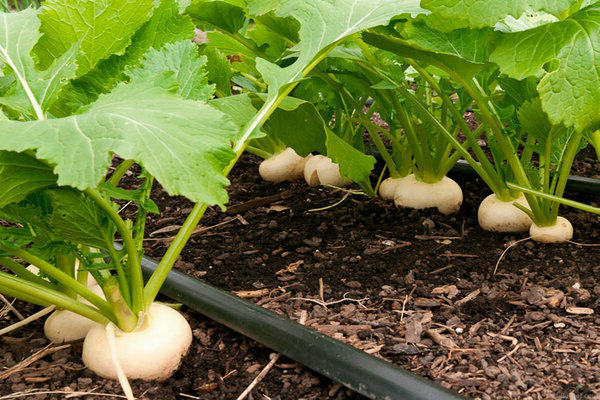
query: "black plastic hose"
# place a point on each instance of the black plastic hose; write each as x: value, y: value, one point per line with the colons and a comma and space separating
x: 575, y: 183
x: 355, y: 369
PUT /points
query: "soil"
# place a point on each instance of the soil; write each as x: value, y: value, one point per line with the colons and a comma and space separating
x: 491, y: 316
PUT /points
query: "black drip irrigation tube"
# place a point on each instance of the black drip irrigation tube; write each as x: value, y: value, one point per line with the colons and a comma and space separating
x: 575, y: 183
x: 370, y: 376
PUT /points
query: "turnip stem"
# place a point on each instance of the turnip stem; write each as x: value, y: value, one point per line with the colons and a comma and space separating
x: 127, y: 321
x: 561, y: 200
x: 41, y: 295
x: 120, y: 171
x: 168, y: 260
x: 22, y: 272
x: 565, y: 169
x: 133, y: 259
x: 484, y: 168
x: 66, y: 264
x: 62, y: 278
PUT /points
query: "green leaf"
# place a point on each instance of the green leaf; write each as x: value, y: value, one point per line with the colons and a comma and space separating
x: 138, y: 196
x: 78, y: 219
x: 468, y: 44
x: 404, y: 48
x: 21, y: 175
x: 165, y: 26
x: 452, y: 14
x: 217, y: 14
x: 33, y: 214
x: 238, y: 107
x: 101, y: 28
x: 353, y: 164
x: 218, y: 70
x: 272, y: 45
x: 566, y: 56
x: 318, y: 33
x: 182, y: 59
x: 298, y: 124
x: 534, y: 120
x: 184, y: 144
x: 285, y: 28
x: 260, y: 7
x: 33, y: 90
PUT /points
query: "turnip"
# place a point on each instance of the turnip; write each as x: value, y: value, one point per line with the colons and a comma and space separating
x: 152, y: 351
x: 561, y: 231
x: 284, y: 166
x: 321, y: 170
x: 63, y: 326
x: 496, y: 215
x: 387, y: 189
x: 445, y: 194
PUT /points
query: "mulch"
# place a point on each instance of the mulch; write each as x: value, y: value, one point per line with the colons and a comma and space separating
x: 411, y: 286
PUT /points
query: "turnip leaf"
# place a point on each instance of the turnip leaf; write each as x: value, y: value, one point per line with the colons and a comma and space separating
x: 452, y: 14
x: 317, y: 33
x: 184, y: 144
x: 21, y: 175
x: 182, y: 59
x: 165, y: 26
x: 78, y: 219
x: 354, y: 164
x: 32, y: 90
x: 102, y: 28
x: 566, y: 56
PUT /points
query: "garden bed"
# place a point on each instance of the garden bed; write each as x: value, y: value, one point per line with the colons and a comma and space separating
x: 414, y: 287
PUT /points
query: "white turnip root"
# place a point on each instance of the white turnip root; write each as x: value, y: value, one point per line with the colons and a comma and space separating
x: 562, y: 231
x: 153, y: 351
x: 63, y: 326
x: 495, y: 215
x: 445, y: 194
x: 387, y: 189
x: 321, y: 170
x: 284, y: 166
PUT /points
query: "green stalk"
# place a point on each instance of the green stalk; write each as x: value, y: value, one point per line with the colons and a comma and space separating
x: 390, y: 164
x: 135, y: 280
x: 41, y: 295
x: 561, y: 200
x: 595, y: 141
x: 63, y: 279
x: 489, y: 179
x: 126, y: 320
x: 66, y: 265
x: 121, y: 274
x: 563, y: 177
x: 120, y: 171
x: 429, y: 170
x: 451, y: 160
x: 259, y: 152
x: 139, y: 226
x: 411, y: 137
x: 24, y: 273
x: 235, y: 36
x: 484, y: 168
x: 255, y: 81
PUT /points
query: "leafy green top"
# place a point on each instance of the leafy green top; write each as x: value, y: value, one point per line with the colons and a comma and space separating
x: 155, y: 119
x: 566, y: 56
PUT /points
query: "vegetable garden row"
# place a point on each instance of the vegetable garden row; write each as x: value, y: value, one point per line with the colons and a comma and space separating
x: 296, y: 83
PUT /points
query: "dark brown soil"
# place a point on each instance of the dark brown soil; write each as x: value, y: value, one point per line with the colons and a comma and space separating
x: 413, y: 287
